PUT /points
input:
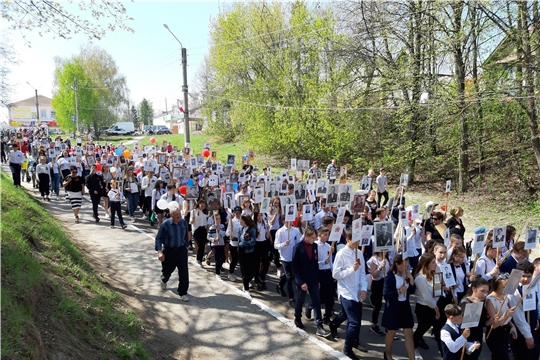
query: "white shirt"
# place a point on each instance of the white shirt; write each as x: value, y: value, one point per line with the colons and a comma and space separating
x: 112, y: 195
x: 16, y: 157
x: 377, y: 262
x: 520, y: 320
x: 64, y: 163
x: 483, y: 266
x: 322, y: 250
x: 317, y: 220
x: 233, y: 230
x: 261, y: 229
x: 285, y: 251
x: 43, y: 169
x: 148, y: 185
x: 424, y: 292
x: 453, y: 346
x: 350, y: 282
x: 399, y: 284
x: 460, y: 278
x: 198, y: 219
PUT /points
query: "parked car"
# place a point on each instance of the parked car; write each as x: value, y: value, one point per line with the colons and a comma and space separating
x: 164, y: 131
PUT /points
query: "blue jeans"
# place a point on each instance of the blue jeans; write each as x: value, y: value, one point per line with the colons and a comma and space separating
x: 55, y: 184
x: 315, y: 302
x: 132, y: 200
x: 352, y: 312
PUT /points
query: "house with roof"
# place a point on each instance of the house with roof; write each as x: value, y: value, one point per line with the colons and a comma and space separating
x: 24, y: 113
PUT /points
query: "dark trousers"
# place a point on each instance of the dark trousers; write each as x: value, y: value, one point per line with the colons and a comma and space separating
x: 247, y: 266
x: 44, y: 184
x: 288, y: 278
x: 379, y: 196
x: 199, y: 236
x: 315, y: 303
x: 96, y: 198
x: 439, y: 323
x: 4, y: 157
x: 520, y: 350
x: 262, y: 261
x: 413, y: 260
x: 274, y: 251
x: 425, y: 317
x: 352, y: 312
x: 116, y: 208
x: 16, y: 173
x: 176, y: 258
x: 376, y: 298
x: 497, y: 343
x: 147, y: 204
x: 219, y: 255
x: 234, y: 258
x: 326, y: 293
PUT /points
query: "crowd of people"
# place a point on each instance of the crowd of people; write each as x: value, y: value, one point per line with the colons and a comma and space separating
x: 320, y: 254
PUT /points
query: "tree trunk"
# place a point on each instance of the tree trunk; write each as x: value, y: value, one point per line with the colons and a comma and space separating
x: 528, y: 77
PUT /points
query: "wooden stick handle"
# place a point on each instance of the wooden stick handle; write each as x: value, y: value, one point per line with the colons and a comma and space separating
x: 498, y: 313
x: 473, y: 270
x: 506, y: 256
x: 497, y: 258
x: 463, y: 351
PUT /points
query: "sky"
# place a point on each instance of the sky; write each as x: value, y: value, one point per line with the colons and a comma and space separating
x: 149, y: 58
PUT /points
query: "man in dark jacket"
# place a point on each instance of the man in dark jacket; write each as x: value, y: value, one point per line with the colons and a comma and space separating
x: 305, y: 264
x: 95, y: 185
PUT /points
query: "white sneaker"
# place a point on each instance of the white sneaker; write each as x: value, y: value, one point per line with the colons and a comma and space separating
x: 163, y: 285
x: 232, y: 277
x: 218, y: 277
x: 144, y: 217
x: 184, y: 298
x: 417, y: 355
x: 279, y: 273
x: 247, y: 293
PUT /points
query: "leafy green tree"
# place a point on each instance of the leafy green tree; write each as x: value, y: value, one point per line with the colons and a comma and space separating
x: 146, y: 113
x: 134, y: 116
x: 101, y: 89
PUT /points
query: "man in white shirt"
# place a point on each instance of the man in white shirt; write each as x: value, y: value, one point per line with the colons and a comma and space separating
x: 232, y: 232
x: 16, y: 158
x: 350, y: 272
x: 286, y: 238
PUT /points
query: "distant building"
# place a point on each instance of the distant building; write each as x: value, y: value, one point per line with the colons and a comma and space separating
x: 23, y: 112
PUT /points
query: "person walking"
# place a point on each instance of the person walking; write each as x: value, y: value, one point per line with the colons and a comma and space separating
x: 305, y: 266
x: 95, y: 185
x: 115, y: 199
x: 16, y: 158
x: 43, y: 171
x: 171, y: 246
x: 246, y: 250
x: 131, y: 191
x: 199, y: 222
x: 74, y: 186
x: 55, y: 179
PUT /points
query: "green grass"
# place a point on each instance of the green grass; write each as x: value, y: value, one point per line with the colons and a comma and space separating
x: 46, y: 279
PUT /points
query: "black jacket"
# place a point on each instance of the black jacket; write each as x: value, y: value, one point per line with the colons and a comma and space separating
x: 94, y: 182
x: 304, y: 269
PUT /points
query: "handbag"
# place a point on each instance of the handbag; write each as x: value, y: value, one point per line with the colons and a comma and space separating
x: 153, y: 217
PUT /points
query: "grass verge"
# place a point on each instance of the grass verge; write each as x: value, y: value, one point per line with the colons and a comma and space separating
x: 53, y: 303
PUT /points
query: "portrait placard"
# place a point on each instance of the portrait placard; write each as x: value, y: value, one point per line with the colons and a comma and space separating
x: 300, y: 192
x: 448, y: 185
x: 449, y: 279
x: 499, y: 236
x: 471, y: 315
x: 192, y: 192
x: 358, y: 203
x: 229, y: 201
x: 341, y: 215
x: 513, y: 282
x: 231, y: 159
x: 365, y: 184
x: 357, y: 230
x: 384, y: 239
x: 213, y: 180
x: 343, y: 171
x: 404, y: 180
x: 258, y: 194
x: 345, y: 192
x: 213, y: 199
x: 293, y: 164
x: 322, y: 187
x: 336, y: 232
x: 177, y: 172
x: 307, y: 212
x: 479, y: 243
x: 90, y: 160
x: 416, y: 211
x: 529, y: 300
x: 290, y: 212
x: 161, y: 158
x: 437, y: 285
x: 447, y: 237
x: 531, y: 238
x: 265, y: 205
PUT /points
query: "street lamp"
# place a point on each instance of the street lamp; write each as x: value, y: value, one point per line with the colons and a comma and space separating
x: 37, y: 102
x: 184, y: 88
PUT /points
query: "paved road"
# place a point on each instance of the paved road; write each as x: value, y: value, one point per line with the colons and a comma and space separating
x: 218, y: 321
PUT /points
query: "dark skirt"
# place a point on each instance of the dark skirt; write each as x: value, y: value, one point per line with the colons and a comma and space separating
x: 404, y: 320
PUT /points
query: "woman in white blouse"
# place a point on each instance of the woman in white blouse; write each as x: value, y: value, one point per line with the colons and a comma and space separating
x: 426, y: 309
x: 199, y: 222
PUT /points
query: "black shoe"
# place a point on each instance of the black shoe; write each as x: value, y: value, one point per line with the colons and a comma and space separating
x: 385, y: 357
x: 333, y: 330
x: 259, y: 287
x: 299, y: 324
x: 321, y: 331
x: 97, y: 219
x: 280, y: 290
x: 351, y: 354
x: 124, y: 226
x: 361, y: 347
x: 326, y: 320
x: 308, y: 313
x: 263, y: 285
x: 292, y: 303
x: 421, y: 344
x: 376, y: 330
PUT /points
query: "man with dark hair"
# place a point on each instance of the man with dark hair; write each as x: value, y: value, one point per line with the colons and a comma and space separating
x: 306, y: 276
x: 526, y: 346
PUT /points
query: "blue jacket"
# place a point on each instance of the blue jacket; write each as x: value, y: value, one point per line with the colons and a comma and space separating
x: 304, y: 269
x: 247, y: 239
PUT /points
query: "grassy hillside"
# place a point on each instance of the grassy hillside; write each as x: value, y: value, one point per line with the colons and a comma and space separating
x: 53, y: 303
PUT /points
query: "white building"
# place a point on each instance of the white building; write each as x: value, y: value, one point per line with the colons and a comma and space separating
x: 24, y: 112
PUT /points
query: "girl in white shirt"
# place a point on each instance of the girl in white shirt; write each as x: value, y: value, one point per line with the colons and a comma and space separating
x: 43, y: 172
x: 158, y: 191
x: 378, y: 268
x: 115, y: 197
x: 199, y: 222
x: 427, y: 311
x: 261, y: 250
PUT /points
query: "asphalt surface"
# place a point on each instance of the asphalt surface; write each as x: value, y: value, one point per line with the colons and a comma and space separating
x: 219, y: 321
